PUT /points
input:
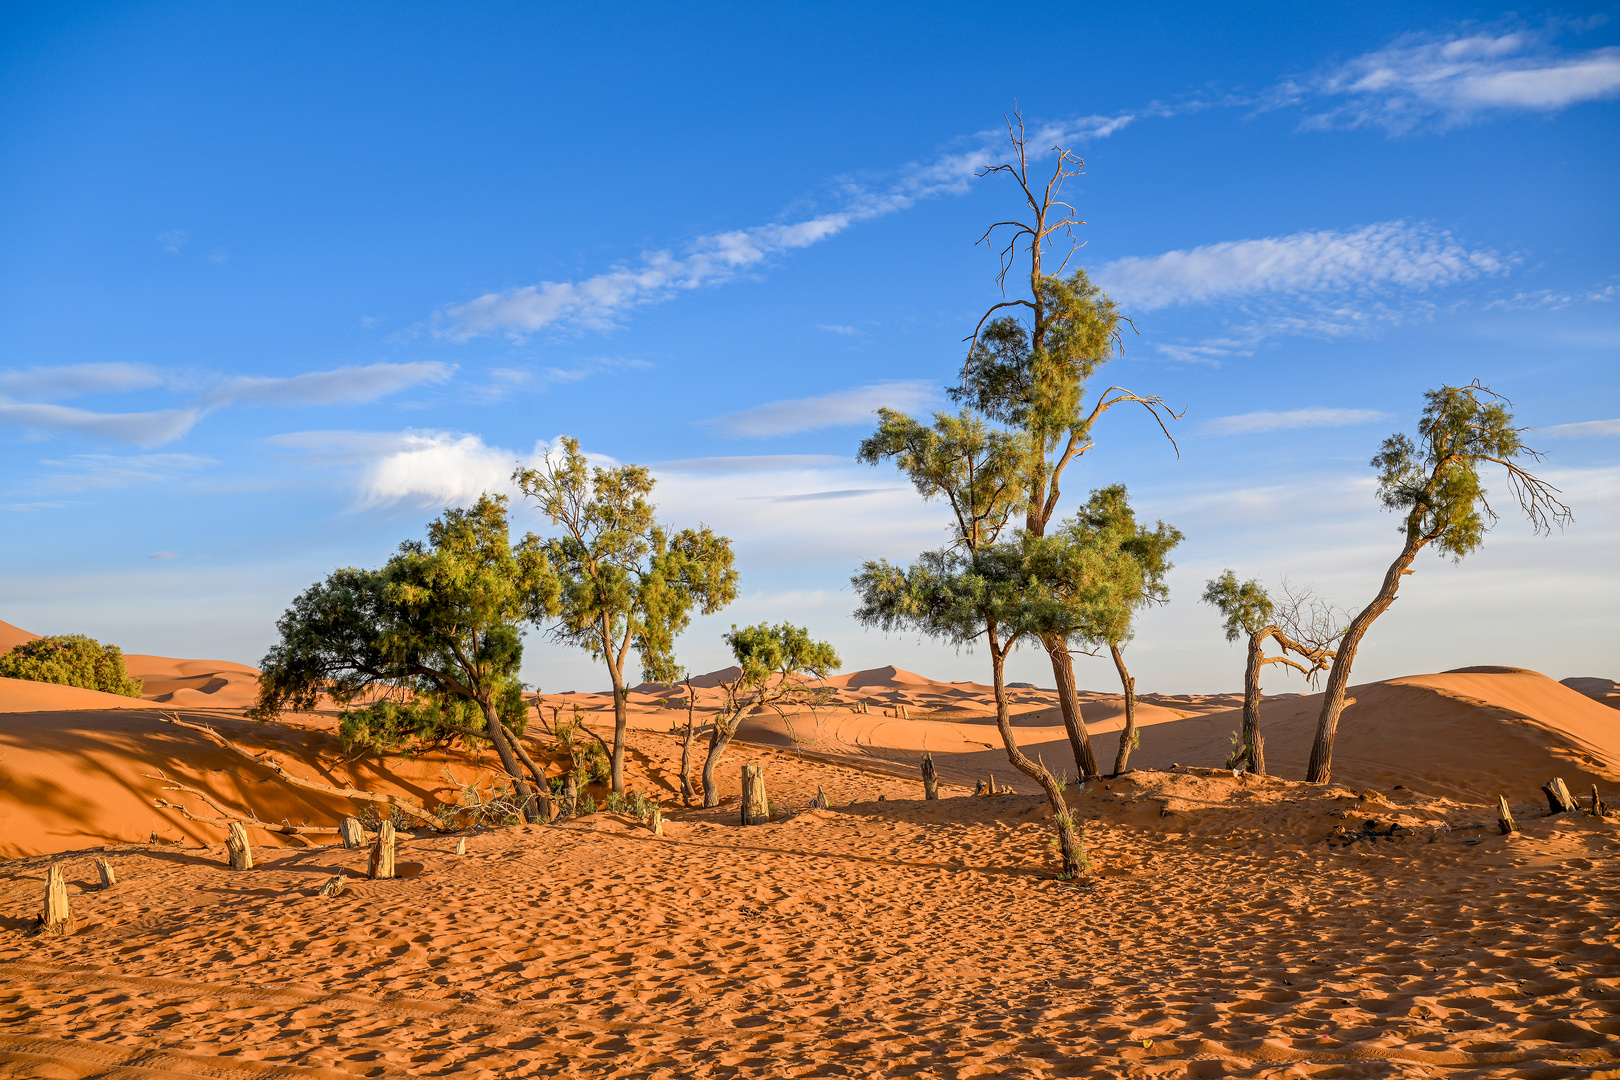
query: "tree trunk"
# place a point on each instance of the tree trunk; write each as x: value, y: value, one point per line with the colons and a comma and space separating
x: 503, y: 749
x: 542, y: 793
x: 381, y: 864
x: 1070, y: 853
x: 687, y: 794
x: 58, y: 917
x: 351, y: 832
x: 237, y: 846
x: 621, y: 723
x: 756, y: 806
x: 104, y: 869
x: 930, y: 777
x: 1504, y: 816
x: 1127, y: 734
x: 1254, y: 755
x: 718, y: 741
x: 1559, y: 800
x: 1327, y: 725
x: 1085, y: 759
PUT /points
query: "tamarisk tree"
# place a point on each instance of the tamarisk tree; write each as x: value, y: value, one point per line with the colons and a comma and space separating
x: 781, y: 667
x: 624, y: 580
x: 1027, y: 368
x: 974, y: 589
x: 1434, y: 483
x: 436, y: 626
x: 1299, y: 625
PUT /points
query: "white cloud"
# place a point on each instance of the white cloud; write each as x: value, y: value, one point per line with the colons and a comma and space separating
x: 76, y: 380
x: 173, y: 240
x: 89, y: 472
x: 1293, y: 419
x: 597, y: 301
x: 1582, y: 430
x: 1444, y: 81
x: 427, y: 468
x: 341, y: 386
x: 826, y: 410
x: 139, y: 429
x: 1390, y: 254
x: 834, y: 328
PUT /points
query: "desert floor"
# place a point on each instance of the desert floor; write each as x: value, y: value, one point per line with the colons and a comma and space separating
x: 1231, y: 926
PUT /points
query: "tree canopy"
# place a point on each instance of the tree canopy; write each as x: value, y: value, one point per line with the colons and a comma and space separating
x: 434, y: 632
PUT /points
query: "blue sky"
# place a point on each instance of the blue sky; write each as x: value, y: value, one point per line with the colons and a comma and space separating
x: 279, y: 282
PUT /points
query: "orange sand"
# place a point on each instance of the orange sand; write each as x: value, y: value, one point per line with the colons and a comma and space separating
x: 1232, y: 927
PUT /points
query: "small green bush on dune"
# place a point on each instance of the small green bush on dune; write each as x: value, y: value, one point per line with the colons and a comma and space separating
x: 71, y: 660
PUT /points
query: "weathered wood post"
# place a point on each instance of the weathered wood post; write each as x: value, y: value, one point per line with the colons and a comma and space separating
x: 382, y: 853
x: 756, y: 808
x: 237, y: 846
x: 109, y: 879
x: 1598, y: 807
x: 902, y: 713
x: 350, y: 831
x: 657, y: 821
x: 570, y: 795
x: 334, y: 885
x: 930, y: 777
x: 1558, y: 800
x: 461, y: 846
x: 1504, y: 816
x: 820, y: 801
x: 58, y: 918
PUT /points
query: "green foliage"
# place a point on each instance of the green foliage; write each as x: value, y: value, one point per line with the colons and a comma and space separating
x: 766, y: 652
x: 634, y: 803
x: 71, y: 660
x: 1435, y: 481
x: 1032, y: 375
x: 587, y: 805
x: 623, y: 579
x: 436, y: 626
x: 978, y: 469
x: 1247, y: 606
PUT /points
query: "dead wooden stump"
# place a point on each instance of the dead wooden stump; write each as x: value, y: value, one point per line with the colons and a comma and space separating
x: 1504, y: 816
x: 756, y: 808
x: 657, y: 821
x: 351, y: 832
x: 570, y: 796
x: 58, y: 917
x: 820, y: 801
x: 381, y: 864
x: 1599, y: 809
x: 334, y: 885
x: 1558, y: 800
x: 900, y: 711
x: 109, y: 879
x: 237, y: 846
x: 461, y: 846
x: 930, y: 777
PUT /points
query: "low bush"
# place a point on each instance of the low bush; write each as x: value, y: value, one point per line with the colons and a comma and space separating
x: 71, y: 660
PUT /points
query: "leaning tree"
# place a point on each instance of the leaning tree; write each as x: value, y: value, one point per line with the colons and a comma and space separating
x: 1027, y: 368
x: 1434, y: 482
x: 625, y: 581
x: 780, y: 668
x: 974, y: 589
x: 1300, y: 625
x: 435, y: 631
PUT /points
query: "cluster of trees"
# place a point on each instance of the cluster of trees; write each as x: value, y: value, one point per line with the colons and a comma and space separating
x: 426, y: 649
x: 1014, y: 572
x: 71, y: 660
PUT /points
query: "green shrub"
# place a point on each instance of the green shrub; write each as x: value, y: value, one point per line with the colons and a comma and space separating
x: 71, y: 660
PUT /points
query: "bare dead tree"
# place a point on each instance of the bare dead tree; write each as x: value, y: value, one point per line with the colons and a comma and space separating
x: 226, y: 817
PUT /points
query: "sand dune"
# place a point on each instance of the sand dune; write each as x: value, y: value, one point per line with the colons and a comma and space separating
x: 13, y: 636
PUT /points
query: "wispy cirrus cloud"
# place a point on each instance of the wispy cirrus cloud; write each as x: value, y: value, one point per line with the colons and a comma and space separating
x: 1445, y: 80
x: 78, y: 380
x: 88, y: 472
x: 339, y: 386
x: 136, y: 428
x: 598, y: 301
x: 824, y: 410
x: 1290, y: 420
x: 1387, y: 255
x: 1585, y: 429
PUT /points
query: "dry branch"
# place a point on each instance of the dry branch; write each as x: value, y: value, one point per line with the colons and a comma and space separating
x: 268, y: 762
x: 227, y: 817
